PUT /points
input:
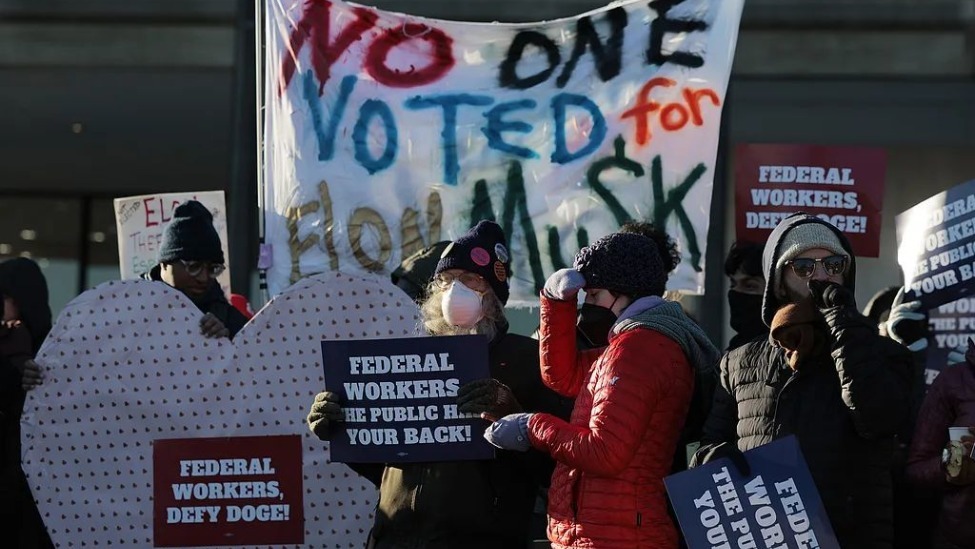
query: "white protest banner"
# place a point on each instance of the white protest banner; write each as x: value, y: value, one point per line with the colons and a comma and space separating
x: 386, y: 132
x: 126, y: 368
x: 141, y: 221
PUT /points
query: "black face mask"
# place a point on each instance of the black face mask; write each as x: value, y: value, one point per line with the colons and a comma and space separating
x: 746, y: 314
x: 594, y: 323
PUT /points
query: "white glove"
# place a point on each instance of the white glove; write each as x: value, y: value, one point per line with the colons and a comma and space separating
x: 564, y: 284
x: 907, y: 326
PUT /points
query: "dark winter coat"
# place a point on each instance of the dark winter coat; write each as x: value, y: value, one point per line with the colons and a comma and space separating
x: 214, y: 302
x: 950, y: 402
x: 844, y: 405
x: 22, y: 280
x: 470, y: 504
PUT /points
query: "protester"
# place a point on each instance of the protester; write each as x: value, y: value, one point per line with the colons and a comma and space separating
x: 938, y: 465
x: 826, y: 376
x: 915, y: 512
x: 414, y: 273
x: 743, y: 267
x: 190, y: 260
x: 26, y: 323
x: 594, y: 322
x: 472, y: 504
x: 631, y: 398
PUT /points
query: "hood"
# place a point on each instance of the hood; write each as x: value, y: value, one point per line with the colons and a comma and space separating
x: 22, y: 280
x: 418, y: 269
x: 770, y: 303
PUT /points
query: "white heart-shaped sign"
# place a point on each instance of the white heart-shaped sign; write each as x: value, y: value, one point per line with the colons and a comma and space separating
x: 125, y: 365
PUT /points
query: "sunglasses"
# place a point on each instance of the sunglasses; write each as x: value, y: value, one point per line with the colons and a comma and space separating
x: 804, y: 267
x: 194, y: 268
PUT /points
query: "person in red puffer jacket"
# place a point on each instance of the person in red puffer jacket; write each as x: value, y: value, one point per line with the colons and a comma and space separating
x: 631, y: 397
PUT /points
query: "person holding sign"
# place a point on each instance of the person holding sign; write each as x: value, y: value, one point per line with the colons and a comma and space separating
x: 940, y: 458
x: 470, y: 504
x: 631, y: 398
x: 825, y: 375
x: 190, y: 260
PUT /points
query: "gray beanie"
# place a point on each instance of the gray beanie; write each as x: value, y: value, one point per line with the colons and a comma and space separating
x: 623, y: 263
x: 803, y: 237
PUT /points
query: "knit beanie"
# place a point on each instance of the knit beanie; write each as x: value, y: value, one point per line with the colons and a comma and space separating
x: 190, y: 236
x: 803, y: 237
x: 481, y: 250
x: 623, y: 263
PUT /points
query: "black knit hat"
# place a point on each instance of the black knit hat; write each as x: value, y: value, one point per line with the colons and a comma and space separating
x: 190, y: 236
x: 623, y: 263
x: 481, y: 250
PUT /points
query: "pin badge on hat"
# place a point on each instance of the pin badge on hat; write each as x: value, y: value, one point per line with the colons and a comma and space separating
x: 500, y: 272
x: 501, y: 252
x: 480, y: 256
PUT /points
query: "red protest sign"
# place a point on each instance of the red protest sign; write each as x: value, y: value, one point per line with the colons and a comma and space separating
x: 843, y: 185
x: 227, y: 491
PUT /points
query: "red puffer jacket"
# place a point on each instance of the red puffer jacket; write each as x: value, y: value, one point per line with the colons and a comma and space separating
x: 631, y: 401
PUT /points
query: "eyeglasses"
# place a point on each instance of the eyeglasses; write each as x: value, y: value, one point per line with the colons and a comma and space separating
x: 804, y: 267
x: 473, y: 281
x: 195, y: 268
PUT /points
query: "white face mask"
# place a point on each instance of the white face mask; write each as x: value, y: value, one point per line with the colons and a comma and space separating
x: 461, y: 306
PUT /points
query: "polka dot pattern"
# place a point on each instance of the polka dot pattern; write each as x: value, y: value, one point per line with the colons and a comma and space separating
x: 125, y: 364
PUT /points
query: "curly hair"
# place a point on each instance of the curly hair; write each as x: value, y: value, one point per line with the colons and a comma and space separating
x: 666, y: 246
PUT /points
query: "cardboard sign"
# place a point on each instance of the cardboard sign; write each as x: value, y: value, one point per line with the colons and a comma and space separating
x: 400, y: 399
x: 126, y: 366
x: 936, y: 247
x: 227, y: 491
x: 842, y: 185
x: 141, y: 221
x: 410, y: 130
x: 717, y: 508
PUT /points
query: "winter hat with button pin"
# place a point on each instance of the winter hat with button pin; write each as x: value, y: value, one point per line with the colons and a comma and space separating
x: 481, y: 250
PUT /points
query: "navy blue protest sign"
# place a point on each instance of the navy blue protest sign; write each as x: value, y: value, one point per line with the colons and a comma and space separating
x: 399, y: 399
x: 936, y: 247
x: 949, y: 327
x: 777, y: 507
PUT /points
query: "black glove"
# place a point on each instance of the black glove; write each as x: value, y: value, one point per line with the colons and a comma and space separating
x: 487, y: 396
x: 326, y: 410
x: 827, y: 295
x: 730, y: 451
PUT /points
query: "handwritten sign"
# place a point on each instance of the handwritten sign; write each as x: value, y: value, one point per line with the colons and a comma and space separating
x: 141, y: 221
x: 400, y: 398
x: 936, y: 247
x: 227, y: 491
x: 387, y: 132
x: 842, y: 185
x: 777, y: 507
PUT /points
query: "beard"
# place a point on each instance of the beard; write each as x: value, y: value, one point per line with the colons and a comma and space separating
x: 436, y: 324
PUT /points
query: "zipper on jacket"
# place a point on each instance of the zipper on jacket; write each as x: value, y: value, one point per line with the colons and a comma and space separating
x: 639, y: 519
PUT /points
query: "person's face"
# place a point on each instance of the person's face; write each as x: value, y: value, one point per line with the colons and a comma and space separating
x: 796, y: 287
x: 746, y: 283
x: 190, y: 277
x: 606, y: 299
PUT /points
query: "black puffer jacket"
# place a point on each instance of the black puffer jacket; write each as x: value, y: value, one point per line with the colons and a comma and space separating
x: 470, y: 504
x: 844, y: 407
